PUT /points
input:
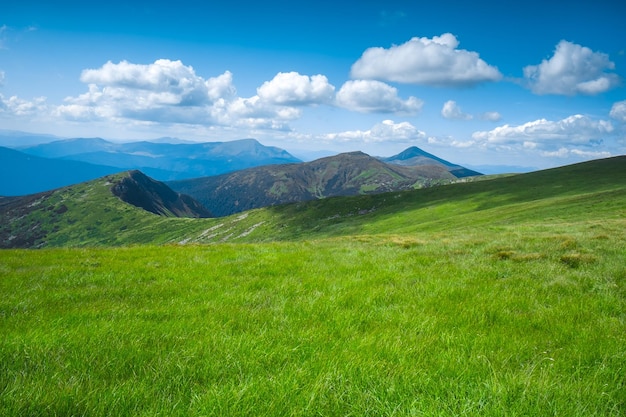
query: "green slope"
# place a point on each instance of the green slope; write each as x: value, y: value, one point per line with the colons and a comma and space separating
x: 587, y: 192
x: 88, y: 214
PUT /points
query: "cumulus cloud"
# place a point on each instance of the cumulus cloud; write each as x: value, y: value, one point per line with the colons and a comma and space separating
x: 573, y: 69
x: 386, y: 131
x: 254, y: 113
x: 15, y: 106
x: 163, y: 82
x: 618, y: 111
x: 164, y: 91
x: 576, y: 130
x: 369, y: 96
x: 451, y: 110
x: 435, y: 61
x: 256, y: 107
x: 169, y: 92
x: 292, y: 88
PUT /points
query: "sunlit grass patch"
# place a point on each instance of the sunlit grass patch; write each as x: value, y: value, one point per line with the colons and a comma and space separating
x: 340, y: 326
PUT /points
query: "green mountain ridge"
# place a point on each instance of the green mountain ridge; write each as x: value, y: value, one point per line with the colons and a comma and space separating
x: 89, y: 214
x: 105, y: 208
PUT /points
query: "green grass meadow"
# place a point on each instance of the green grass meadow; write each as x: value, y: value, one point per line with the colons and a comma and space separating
x: 495, y: 298
x: 456, y: 325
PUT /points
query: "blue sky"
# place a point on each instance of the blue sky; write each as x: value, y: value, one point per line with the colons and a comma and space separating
x: 535, y: 84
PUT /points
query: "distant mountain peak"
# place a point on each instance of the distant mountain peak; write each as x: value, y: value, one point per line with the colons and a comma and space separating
x: 412, y: 152
x: 415, y: 156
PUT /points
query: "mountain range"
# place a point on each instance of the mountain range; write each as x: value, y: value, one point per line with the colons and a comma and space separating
x: 165, y: 161
x: 130, y: 208
x: 42, y: 163
x: 345, y: 174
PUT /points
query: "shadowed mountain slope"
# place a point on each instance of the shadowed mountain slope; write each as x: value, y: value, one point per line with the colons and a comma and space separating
x: 156, y: 197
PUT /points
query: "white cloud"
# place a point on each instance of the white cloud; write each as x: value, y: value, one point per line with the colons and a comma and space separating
x: 386, y: 131
x: 618, y: 111
x: 369, y: 96
x: 573, y: 69
x: 451, y: 110
x: 254, y: 113
x: 163, y: 82
x: 170, y: 92
x: 1, y: 78
x: 576, y: 130
x: 435, y: 61
x: 565, y: 153
x: 291, y: 88
x: 220, y: 86
x: 256, y: 107
x: 15, y: 106
x: 492, y: 116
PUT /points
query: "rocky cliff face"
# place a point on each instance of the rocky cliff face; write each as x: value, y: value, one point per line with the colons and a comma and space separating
x: 142, y: 191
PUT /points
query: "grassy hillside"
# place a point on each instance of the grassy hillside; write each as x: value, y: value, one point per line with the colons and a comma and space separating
x: 480, y: 325
x: 498, y: 297
x: 592, y: 192
x: 88, y: 214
